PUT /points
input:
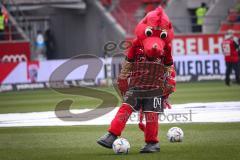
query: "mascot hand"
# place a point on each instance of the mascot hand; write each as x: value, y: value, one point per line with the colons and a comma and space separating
x: 168, y: 70
x: 122, y: 81
x: 166, y: 104
x: 170, y: 82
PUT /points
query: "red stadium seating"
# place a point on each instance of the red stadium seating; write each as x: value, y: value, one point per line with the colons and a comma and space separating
x: 125, y: 13
x: 236, y: 27
x: 225, y: 26
x: 231, y: 22
x: 233, y: 26
x: 232, y: 16
x: 151, y: 1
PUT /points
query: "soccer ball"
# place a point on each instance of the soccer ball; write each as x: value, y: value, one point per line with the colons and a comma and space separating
x: 121, y: 146
x: 175, y: 134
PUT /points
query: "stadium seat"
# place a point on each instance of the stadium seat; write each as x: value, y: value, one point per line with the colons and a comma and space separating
x: 232, y: 16
x: 231, y: 22
x: 225, y: 26
x: 125, y: 13
x: 151, y: 1
x: 236, y: 27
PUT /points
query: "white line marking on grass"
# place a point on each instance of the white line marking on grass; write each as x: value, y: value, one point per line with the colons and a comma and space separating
x: 180, y: 113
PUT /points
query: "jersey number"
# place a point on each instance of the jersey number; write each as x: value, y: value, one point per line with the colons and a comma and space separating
x: 157, y: 102
x: 226, y: 49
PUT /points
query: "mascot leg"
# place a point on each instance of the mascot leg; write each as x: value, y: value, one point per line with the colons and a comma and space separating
x: 117, y: 126
x: 120, y: 120
x: 141, y: 125
x: 151, y: 133
x: 151, y: 130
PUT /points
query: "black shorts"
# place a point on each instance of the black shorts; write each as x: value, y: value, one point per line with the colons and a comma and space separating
x: 148, y: 104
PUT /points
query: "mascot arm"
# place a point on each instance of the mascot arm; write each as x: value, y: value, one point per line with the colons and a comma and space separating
x: 168, y: 60
x: 126, y: 70
x: 170, y: 83
x: 135, y: 44
x: 127, y: 66
x: 122, y: 81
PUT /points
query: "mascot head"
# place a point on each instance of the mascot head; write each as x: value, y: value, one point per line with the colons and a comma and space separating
x: 155, y: 32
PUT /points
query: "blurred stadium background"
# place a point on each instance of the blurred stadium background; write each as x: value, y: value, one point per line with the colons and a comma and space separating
x: 38, y: 36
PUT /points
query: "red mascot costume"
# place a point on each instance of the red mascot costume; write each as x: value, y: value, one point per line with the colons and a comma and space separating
x: 146, y: 79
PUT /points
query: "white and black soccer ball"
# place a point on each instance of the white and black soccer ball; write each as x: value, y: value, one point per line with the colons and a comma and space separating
x: 175, y: 134
x: 121, y: 146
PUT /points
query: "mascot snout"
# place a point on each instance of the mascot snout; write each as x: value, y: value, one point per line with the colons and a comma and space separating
x: 153, y: 47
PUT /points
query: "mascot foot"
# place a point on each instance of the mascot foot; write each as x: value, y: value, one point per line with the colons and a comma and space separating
x: 150, y: 148
x: 107, y: 140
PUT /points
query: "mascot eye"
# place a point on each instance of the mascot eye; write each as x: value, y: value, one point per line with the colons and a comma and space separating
x: 148, y: 32
x: 163, y: 35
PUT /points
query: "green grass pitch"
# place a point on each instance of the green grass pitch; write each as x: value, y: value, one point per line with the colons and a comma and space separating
x: 218, y: 141
x: 202, y: 141
x: 46, y: 100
